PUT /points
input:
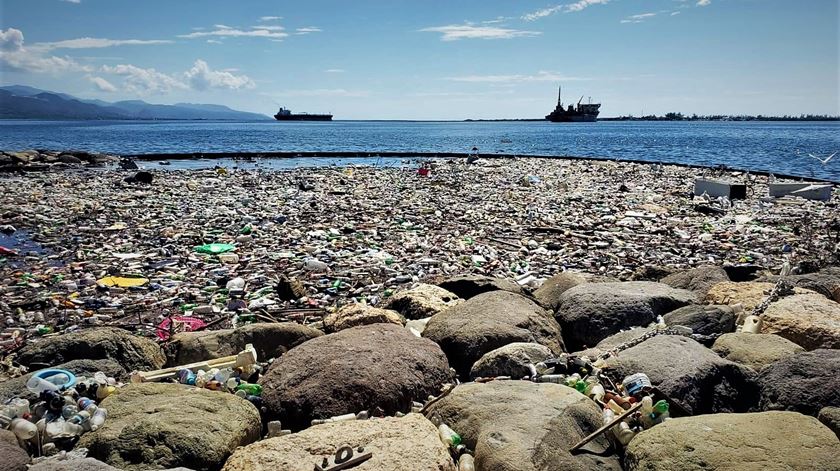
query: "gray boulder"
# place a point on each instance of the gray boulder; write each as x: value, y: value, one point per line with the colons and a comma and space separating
x: 422, y: 301
x: 377, y: 365
x: 524, y: 426
x: 614, y: 340
x: 16, y: 387
x: 510, y: 360
x: 830, y: 416
x: 163, y: 425
x: 690, y: 374
x: 130, y: 351
x: 467, y: 286
x: 353, y: 315
x: 764, y: 440
x: 698, y: 279
x: 488, y: 321
x: 548, y: 294
x: 703, y: 319
x: 592, y: 312
x: 270, y: 340
x: 12, y: 457
x: 69, y: 159
x: 754, y: 350
x: 410, y: 443
x: 804, y: 382
x: 826, y: 282
x: 80, y: 464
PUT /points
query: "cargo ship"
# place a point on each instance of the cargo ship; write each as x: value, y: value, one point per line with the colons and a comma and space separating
x: 587, y: 112
x: 286, y: 115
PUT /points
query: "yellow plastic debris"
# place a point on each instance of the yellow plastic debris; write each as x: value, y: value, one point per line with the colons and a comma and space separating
x: 122, y: 282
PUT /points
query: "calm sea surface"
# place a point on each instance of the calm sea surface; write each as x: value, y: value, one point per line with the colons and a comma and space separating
x: 769, y: 146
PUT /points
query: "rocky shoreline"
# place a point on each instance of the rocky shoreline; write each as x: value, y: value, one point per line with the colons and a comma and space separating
x: 488, y: 315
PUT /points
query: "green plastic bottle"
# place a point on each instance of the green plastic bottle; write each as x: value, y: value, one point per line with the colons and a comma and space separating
x: 252, y: 389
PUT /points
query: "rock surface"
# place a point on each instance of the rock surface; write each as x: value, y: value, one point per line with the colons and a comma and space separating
x: 354, y: 315
x: 754, y: 350
x: 749, y: 294
x: 160, y: 425
x: 16, y: 387
x: 704, y: 320
x: 803, y: 382
x: 410, y: 443
x: 270, y: 341
x: 378, y: 365
x: 130, y: 351
x: 82, y: 464
x: 489, y: 321
x: 698, y: 279
x: 510, y: 360
x: 467, y: 286
x: 830, y: 416
x: 810, y: 320
x: 549, y: 293
x: 12, y: 457
x: 592, y: 312
x: 825, y: 282
x: 524, y: 426
x: 690, y: 374
x: 767, y: 440
x: 614, y: 340
x: 422, y: 301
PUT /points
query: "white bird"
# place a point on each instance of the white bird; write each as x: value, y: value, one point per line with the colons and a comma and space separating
x: 822, y: 161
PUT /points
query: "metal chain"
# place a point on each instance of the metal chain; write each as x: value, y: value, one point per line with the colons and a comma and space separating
x: 781, y: 289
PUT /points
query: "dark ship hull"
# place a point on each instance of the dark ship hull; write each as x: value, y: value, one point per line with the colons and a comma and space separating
x: 579, y: 113
x: 303, y: 117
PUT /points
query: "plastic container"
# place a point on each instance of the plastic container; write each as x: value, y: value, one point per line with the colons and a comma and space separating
x: 634, y: 383
x: 98, y: 418
x: 448, y: 436
x: 50, y: 380
x: 23, y: 429
x: 752, y: 325
x: 466, y: 463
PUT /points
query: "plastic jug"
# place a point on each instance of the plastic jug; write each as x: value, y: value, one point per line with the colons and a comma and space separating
x: 752, y: 325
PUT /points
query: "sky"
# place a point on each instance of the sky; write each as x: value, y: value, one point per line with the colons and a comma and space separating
x: 433, y: 59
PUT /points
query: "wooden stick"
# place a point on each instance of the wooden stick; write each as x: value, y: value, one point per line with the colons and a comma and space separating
x: 606, y: 427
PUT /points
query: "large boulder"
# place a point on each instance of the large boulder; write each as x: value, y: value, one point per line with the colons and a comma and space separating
x: 690, y: 374
x: 130, y: 351
x: 810, y: 320
x: 830, y: 416
x: 524, y: 426
x: 410, y: 443
x: 510, y: 360
x: 354, y: 315
x: 162, y: 425
x: 754, y: 350
x: 591, y: 312
x: 467, y: 286
x: 16, y: 387
x: 548, y: 294
x: 12, y: 457
x: 614, y: 341
x: 422, y: 301
x: 803, y: 382
x: 825, y: 282
x: 764, y: 440
x: 703, y: 319
x: 748, y: 294
x: 698, y: 279
x: 488, y: 321
x: 72, y: 464
x: 377, y: 365
x: 270, y: 340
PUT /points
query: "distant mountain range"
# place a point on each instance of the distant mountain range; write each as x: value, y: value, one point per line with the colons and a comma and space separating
x: 22, y: 102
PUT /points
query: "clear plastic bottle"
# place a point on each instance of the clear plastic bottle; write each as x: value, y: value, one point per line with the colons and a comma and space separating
x: 466, y: 462
x: 448, y: 436
x: 98, y: 418
x: 623, y: 433
x: 554, y: 378
x: 236, y: 284
x: 23, y: 429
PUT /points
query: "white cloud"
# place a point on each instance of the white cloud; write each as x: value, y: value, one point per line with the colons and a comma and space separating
x: 675, y: 13
x: 541, y: 76
x: 566, y: 8
x: 638, y: 18
x: 308, y: 29
x: 323, y: 92
x: 334, y: 71
x: 73, y: 1
x: 270, y: 18
x: 703, y: 3
x: 91, y: 43
x: 469, y: 31
x: 227, y: 31
x: 201, y: 77
x: 101, y: 84
x: 144, y: 81
x: 14, y: 55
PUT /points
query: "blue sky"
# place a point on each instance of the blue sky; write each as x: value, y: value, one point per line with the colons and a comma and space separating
x: 434, y: 59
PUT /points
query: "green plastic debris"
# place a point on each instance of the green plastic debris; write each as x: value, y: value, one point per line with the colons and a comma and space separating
x: 214, y: 248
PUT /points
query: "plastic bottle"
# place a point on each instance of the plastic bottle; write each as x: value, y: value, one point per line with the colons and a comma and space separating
x: 558, y: 379
x: 608, y: 416
x: 660, y: 412
x: 250, y: 388
x: 98, y: 418
x: 448, y: 436
x: 647, y: 412
x: 623, y: 433
x: 85, y: 404
x: 20, y: 406
x: 466, y: 463
x: 104, y: 391
x: 236, y: 284
x: 38, y: 385
x: 69, y: 411
x: 186, y: 376
x: 23, y: 429
x: 274, y: 429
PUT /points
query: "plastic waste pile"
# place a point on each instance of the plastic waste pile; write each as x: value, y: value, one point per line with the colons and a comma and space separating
x: 66, y: 409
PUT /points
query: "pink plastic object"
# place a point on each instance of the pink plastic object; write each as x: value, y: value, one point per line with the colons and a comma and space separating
x: 181, y: 324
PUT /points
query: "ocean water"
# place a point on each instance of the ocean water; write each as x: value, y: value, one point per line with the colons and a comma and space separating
x: 780, y: 147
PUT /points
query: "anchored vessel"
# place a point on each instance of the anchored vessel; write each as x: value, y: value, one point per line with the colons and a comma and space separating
x: 587, y: 112
x: 286, y: 115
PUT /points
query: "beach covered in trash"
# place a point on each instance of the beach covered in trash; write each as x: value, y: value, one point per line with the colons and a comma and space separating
x: 446, y: 292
